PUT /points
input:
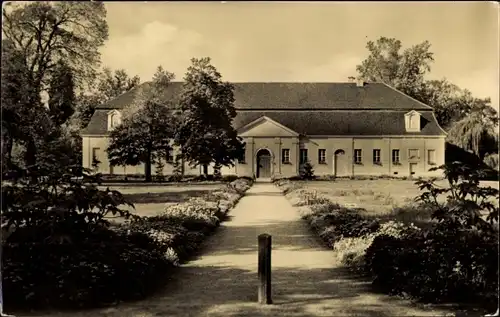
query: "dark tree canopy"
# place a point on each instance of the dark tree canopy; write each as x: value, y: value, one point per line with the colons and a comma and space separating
x: 47, y: 32
x: 61, y: 94
x: 205, y: 132
x: 404, y: 71
x: 146, y: 133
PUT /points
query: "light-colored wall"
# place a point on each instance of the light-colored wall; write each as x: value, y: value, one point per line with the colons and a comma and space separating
x: 101, y: 142
x: 345, y: 165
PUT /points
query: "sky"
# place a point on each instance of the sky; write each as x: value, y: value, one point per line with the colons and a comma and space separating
x: 303, y: 42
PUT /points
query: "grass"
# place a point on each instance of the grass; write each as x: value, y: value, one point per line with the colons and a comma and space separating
x: 151, y: 200
x: 386, y: 199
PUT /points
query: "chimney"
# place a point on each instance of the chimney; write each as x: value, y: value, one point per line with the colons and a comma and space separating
x: 360, y: 82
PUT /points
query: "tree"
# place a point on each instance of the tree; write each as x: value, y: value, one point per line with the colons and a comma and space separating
x: 61, y: 94
x: 49, y: 38
x: 24, y: 119
x: 476, y: 134
x: 146, y: 132
x: 47, y: 32
x: 402, y: 70
x: 205, y: 132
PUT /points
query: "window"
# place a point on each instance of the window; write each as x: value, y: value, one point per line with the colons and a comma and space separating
x: 431, y: 157
x: 395, y: 156
x: 322, y: 156
x: 170, y: 156
x: 376, y: 156
x: 413, y: 154
x: 357, y: 156
x: 412, y: 121
x: 114, y: 119
x: 285, y: 156
x: 303, y: 156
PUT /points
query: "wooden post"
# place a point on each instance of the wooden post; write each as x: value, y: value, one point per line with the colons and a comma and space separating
x: 264, y: 269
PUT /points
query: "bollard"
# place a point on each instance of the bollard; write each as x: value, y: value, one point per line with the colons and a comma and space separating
x: 264, y: 269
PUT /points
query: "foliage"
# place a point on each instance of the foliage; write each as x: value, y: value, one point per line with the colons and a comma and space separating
x: 159, y: 170
x: 402, y: 70
x: 457, y: 258
x: 205, y: 130
x: 466, y: 199
x: 63, y: 254
x: 22, y: 111
x: 104, y: 268
x: 307, y: 171
x: 61, y: 93
x: 147, y: 128
x: 476, y: 134
x: 49, y: 32
x: 351, y: 251
x: 62, y: 205
x: 435, y: 265
x: 108, y: 85
x: 491, y: 160
x: 406, y: 72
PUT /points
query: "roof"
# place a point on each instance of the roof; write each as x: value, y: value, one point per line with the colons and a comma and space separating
x: 275, y: 95
x: 308, y: 108
x: 318, y: 122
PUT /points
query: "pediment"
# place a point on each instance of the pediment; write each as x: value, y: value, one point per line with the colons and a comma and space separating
x: 265, y: 127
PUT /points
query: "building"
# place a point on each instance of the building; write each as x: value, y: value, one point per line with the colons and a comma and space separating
x: 342, y: 129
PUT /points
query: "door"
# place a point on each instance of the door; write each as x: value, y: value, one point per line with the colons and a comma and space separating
x: 264, y: 164
x: 339, y: 163
x: 413, y: 169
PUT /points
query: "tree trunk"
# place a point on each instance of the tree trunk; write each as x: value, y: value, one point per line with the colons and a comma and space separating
x: 147, y: 167
x: 205, y: 169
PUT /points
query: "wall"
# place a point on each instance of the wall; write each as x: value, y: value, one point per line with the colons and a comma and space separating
x: 345, y: 166
x: 101, y: 142
x: 404, y: 144
x: 331, y: 145
x: 274, y: 145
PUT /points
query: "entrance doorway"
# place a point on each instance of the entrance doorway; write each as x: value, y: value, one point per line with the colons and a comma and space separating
x: 263, y: 164
x: 339, y: 163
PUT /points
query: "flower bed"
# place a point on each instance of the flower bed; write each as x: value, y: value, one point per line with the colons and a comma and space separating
x: 434, y: 264
x: 122, y: 262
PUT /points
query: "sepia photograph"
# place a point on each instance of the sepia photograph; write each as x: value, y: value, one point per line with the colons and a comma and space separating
x: 250, y: 159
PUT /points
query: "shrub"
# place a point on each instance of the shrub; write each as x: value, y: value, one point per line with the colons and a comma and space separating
x: 491, y: 160
x: 104, y: 268
x: 306, y: 171
x: 434, y: 266
x: 452, y: 260
x: 334, y: 223
x: 351, y: 251
x: 159, y: 170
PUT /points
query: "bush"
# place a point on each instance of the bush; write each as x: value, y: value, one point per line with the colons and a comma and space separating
x: 63, y: 253
x: 306, y: 171
x: 433, y: 266
x: 452, y: 260
x: 491, y: 160
x: 104, y: 268
x: 351, y: 251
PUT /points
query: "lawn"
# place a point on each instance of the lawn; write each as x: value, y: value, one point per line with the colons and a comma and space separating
x: 151, y: 200
x: 385, y: 198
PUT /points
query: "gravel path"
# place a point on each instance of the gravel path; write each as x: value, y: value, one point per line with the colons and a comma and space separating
x: 223, y: 282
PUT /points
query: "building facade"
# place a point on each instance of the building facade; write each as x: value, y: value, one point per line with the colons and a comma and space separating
x: 341, y: 129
